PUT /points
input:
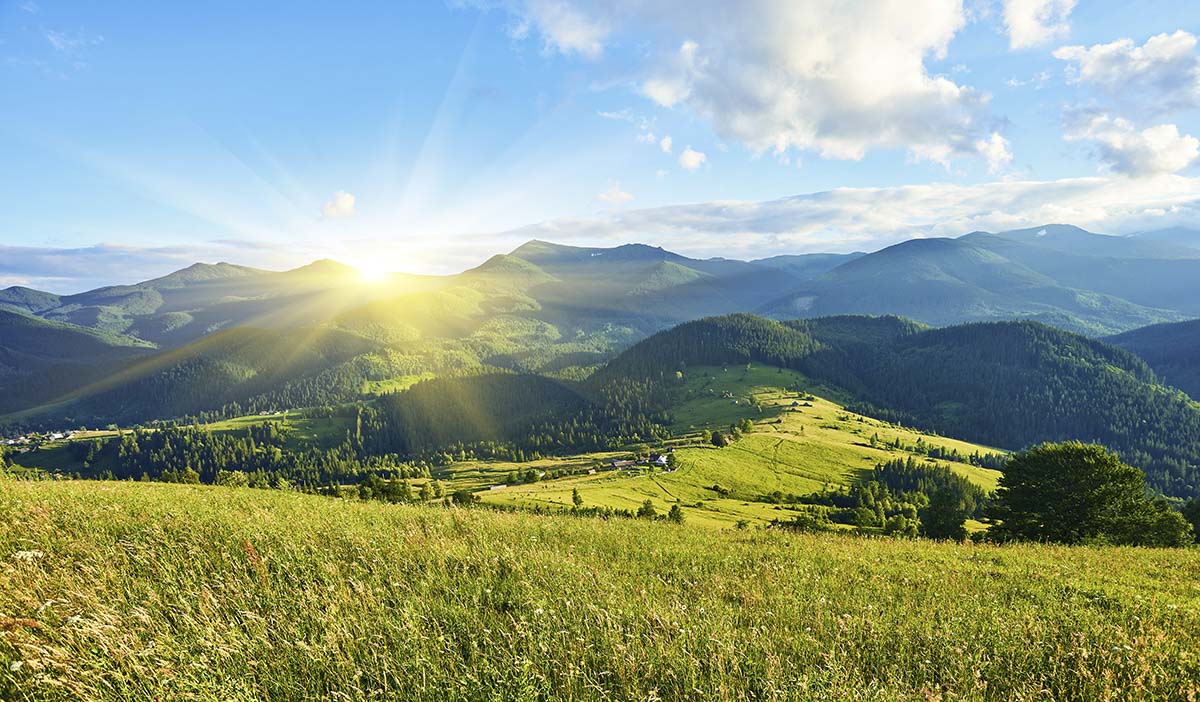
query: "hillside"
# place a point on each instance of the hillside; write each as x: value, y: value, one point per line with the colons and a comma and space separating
x: 208, y: 584
x: 800, y: 444
x: 39, y: 357
x: 1001, y: 384
x: 1172, y: 350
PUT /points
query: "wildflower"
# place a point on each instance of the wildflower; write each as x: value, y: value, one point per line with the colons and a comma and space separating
x: 538, y: 610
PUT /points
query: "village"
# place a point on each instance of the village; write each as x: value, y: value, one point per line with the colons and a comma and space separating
x: 33, y: 440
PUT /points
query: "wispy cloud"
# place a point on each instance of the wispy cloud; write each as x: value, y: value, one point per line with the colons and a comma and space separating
x: 340, y: 206
x: 72, y: 43
x: 841, y: 220
x: 614, y: 195
x: 848, y: 219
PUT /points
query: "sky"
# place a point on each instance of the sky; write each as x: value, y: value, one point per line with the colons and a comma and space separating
x: 139, y: 137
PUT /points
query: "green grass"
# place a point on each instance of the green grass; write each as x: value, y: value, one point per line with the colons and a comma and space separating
x: 301, y: 432
x: 119, y: 591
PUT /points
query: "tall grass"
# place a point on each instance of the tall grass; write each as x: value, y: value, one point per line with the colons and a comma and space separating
x: 113, y: 591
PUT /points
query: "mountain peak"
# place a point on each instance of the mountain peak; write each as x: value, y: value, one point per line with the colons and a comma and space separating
x: 200, y: 272
x: 323, y: 267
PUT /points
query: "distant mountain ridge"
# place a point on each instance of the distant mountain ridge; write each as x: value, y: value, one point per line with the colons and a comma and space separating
x: 1060, y: 275
x: 551, y: 308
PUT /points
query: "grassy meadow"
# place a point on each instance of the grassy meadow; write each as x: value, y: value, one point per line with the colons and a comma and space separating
x: 120, y: 591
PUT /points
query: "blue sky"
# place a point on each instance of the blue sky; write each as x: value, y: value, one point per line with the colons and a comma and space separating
x: 138, y: 137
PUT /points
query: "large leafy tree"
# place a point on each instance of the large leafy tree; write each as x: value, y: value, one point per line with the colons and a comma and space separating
x: 1081, y: 493
x: 943, y: 517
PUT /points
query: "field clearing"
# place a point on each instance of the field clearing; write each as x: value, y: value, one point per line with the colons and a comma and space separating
x: 114, y: 591
x: 300, y: 431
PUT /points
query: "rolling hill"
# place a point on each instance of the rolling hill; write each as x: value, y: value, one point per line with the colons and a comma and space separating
x: 544, y: 308
x: 1005, y: 384
x: 39, y: 358
x: 1172, y: 350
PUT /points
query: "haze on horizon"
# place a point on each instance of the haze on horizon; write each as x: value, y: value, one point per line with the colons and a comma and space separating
x: 424, y: 138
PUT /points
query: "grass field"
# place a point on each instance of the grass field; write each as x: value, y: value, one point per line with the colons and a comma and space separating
x: 300, y: 431
x: 124, y: 591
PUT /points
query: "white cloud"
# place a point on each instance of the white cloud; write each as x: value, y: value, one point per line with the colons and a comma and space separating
x: 647, y: 138
x: 340, y: 206
x: 622, y: 115
x: 563, y: 27
x: 837, y: 78
x: 1124, y: 149
x: 665, y: 144
x: 692, y: 160
x: 1032, y: 23
x: 1162, y: 73
x: 72, y: 43
x: 996, y: 151
x: 848, y: 219
x: 614, y: 195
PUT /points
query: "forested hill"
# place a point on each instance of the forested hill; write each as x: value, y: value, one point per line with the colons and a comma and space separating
x: 1006, y: 384
x: 41, y: 357
x: 1172, y: 350
x: 735, y: 338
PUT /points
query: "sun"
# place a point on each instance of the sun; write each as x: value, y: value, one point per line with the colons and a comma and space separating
x: 373, y: 273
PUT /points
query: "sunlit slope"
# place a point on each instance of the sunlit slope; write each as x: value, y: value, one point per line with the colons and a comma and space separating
x: 802, y: 443
x: 133, y: 591
x: 1005, y: 384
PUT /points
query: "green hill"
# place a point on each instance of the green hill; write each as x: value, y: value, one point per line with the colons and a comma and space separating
x: 1007, y: 384
x: 27, y: 300
x: 1172, y: 350
x: 252, y: 369
x: 40, y: 357
x: 117, y: 591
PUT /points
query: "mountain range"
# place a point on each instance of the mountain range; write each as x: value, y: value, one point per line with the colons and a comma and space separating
x: 226, y: 338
